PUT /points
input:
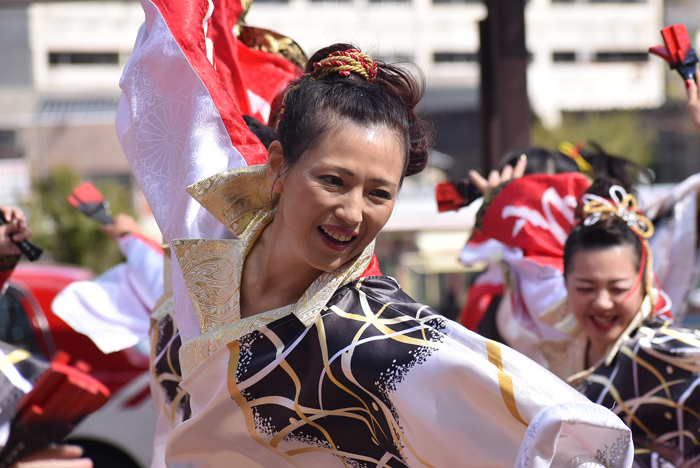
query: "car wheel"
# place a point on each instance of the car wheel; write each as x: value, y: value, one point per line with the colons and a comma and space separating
x: 104, y: 456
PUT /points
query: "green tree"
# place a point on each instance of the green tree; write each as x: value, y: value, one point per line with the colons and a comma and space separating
x: 65, y: 234
x: 621, y: 133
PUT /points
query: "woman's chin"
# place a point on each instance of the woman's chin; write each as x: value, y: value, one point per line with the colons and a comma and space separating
x: 327, y: 259
x: 328, y: 262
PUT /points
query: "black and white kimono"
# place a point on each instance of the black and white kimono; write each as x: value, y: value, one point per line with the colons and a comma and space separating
x: 653, y: 384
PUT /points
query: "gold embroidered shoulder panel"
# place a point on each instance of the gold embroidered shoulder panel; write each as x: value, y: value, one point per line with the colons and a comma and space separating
x: 235, y: 197
x: 212, y: 270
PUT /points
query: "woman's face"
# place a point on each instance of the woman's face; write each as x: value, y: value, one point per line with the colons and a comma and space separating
x: 598, y: 284
x: 339, y: 194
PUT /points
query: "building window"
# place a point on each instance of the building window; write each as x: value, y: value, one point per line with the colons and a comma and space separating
x: 389, y: 1
x: 563, y: 57
x: 621, y: 57
x: 599, y: 1
x: 83, y: 58
x: 8, y: 145
x: 455, y: 57
x: 393, y: 58
x: 457, y: 1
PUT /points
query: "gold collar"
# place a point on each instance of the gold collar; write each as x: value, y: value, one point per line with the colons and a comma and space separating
x: 212, y: 268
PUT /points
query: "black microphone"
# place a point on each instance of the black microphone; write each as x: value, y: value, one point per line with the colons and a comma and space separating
x: 31, y: 251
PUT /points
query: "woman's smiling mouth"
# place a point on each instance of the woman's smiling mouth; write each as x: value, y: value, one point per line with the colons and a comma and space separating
x: 335, y: 240
x: 603, y: 322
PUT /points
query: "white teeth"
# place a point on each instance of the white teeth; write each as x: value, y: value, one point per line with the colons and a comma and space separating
x: 600, y: 320
x: 337, y: 236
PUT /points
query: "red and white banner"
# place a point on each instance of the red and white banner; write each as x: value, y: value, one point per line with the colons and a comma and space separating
x: 524, y: 229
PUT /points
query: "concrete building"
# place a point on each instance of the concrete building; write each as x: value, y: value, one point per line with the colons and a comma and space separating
x: 585, y: 55
x: 62, y: 62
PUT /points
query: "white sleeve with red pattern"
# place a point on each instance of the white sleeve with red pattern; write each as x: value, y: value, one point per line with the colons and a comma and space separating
x: 114, y: 310
x: 173, y: 136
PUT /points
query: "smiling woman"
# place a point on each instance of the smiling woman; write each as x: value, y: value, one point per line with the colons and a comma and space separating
x: 603, y: 324
x: 635, y: 360
x: 296, y: 351
x: 602, y: 265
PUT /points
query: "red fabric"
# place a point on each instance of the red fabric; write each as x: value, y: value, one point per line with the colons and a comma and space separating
x: 4, y: 277
x: 236, y: 69
x: 478, y: 300
x: 530, y: 213
x: 372, y: 268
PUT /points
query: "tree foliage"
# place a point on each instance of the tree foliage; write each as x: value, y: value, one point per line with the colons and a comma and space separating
x: 621, y: 133
x: 67, y: 235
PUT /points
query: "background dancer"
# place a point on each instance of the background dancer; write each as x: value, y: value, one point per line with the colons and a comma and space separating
x: 16, y: 230
x: 637, y: 361
x: 601, y: 324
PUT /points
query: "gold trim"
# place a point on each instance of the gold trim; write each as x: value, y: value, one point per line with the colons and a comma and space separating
x: 212, y: 270
x: 18, y: 355
x: 604, y: 381
x: 504, y: 380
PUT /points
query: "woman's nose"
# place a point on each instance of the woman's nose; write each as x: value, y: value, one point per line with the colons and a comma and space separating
x: 350, y: 209
x: 603, y: 301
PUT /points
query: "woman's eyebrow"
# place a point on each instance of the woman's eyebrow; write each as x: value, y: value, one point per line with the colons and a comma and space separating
x: 344, y: 170
x: 352, y: 174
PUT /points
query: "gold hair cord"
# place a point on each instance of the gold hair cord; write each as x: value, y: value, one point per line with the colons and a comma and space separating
x: 342, y: 62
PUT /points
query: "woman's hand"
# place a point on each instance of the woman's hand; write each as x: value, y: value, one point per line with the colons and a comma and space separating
x: 693, y: 103
x: 495, y: 179
x: 60, y: 456
x: 123, y: 224
x: 16, y: 229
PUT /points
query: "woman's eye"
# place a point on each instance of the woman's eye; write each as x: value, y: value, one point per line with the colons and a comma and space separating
x: 333, y: 180
x: 619, y: 290
x: 383, y: 194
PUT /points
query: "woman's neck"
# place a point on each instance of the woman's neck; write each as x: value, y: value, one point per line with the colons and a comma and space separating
x: 272, y: 275
x: 595, y: 352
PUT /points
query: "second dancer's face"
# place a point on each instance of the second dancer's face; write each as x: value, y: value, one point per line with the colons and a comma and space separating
x: 600, y: 287
x: 339, y: 194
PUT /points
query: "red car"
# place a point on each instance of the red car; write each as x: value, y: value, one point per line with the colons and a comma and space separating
x: 121, y: 433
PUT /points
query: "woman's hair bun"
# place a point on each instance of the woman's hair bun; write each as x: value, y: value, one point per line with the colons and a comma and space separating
x: 361, y: 90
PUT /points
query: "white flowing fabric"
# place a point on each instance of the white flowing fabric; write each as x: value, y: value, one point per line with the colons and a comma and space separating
x: 537, y: 290
x: 674, y: 244
x: 452, y: 404
x: 173, y: 136
x: 114, y: 310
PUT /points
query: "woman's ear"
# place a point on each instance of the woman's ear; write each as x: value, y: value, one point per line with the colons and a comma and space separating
x: 275, y: 163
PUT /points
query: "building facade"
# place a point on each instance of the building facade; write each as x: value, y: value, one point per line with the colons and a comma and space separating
x: 62, y: 62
